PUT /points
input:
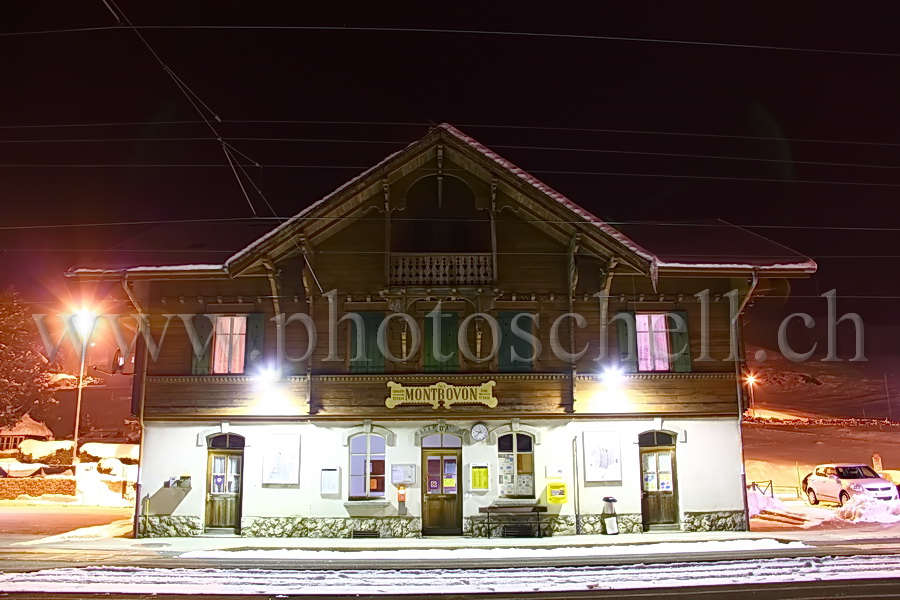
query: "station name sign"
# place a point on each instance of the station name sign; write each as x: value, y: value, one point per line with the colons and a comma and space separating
x: 441, y: 393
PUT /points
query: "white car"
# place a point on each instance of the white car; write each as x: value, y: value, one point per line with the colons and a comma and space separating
x: 838, y: 482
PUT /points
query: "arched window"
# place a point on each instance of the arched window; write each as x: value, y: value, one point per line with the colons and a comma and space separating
x: 655, y: 438
x: 226, y: 441
x: 367, y: 466
x: 515, y: 454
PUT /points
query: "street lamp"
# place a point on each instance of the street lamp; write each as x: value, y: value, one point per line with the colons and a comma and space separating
x: 751, y: 381
x: 84, y: 322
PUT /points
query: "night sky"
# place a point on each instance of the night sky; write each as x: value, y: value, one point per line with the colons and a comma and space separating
x: 789, y: 116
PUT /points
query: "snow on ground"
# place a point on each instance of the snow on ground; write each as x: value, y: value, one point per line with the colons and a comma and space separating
x: 92, y: 489
x: 118, y: 528
x: 35, y: 450
x: 106, y: 450
x: 758, y: 502
x: 870, y: 510
x: 744, y: 545
x: 557, y: 580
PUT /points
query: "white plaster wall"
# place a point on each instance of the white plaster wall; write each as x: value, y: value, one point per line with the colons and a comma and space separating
x: 170, y: 450
x: 708, y: 457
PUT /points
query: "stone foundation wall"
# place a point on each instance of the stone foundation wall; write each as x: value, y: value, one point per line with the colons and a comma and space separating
x: 411, y: 527
x: 13, y: 487
x: 477, y: 526
x: 337, y: 527
x: 723, y: 520
x: 169, y: 526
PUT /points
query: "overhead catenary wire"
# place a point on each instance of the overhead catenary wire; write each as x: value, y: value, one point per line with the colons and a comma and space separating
x: 462, y: 125
x: 192, y: 98
x: 446, y: 170
x: 281, y: 219
x: 470, y: 32
x: 502, y: 146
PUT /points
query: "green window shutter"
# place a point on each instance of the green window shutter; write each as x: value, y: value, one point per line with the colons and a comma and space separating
x: 203, y: 324
x: 448, y: 345
x: 510, y: 341
x: 679, y: 340
x: 255, y: 340
x: 374, y: 360
x: 628, y: 358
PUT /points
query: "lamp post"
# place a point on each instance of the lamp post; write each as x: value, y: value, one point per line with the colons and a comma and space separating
x: 84, y: 322
x: 751, y: 380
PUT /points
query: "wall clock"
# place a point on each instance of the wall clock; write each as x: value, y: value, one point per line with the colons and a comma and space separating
x: 479, y: 432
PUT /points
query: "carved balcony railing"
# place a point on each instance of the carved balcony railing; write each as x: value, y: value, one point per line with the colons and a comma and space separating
x: 441, y: 269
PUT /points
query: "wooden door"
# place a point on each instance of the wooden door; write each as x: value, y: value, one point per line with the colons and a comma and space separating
x: 223, y: 488
x: 441, y: 501
x: 659, y: 499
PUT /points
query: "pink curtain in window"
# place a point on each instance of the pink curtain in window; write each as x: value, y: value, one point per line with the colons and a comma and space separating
x: 229, y: 344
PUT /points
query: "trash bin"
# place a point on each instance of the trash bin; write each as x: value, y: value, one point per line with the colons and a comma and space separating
x: 608, y: 516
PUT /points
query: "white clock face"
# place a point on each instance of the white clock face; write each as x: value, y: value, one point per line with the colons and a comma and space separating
x: 479, y: 432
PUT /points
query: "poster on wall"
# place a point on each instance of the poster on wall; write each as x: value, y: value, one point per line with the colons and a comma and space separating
x: 281, y: 459
x: 602, y: 456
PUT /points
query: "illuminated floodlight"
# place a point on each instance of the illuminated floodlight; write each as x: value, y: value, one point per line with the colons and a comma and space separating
x: 751, y: 379
x: 612, y: 377
x: 267, y: 377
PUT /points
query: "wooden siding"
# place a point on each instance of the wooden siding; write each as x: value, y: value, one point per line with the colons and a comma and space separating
x: 532, y: 276
x: 223, y: 396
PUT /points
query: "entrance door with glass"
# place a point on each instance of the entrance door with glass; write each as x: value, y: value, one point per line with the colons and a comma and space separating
x: 659, y: 489
x: 442, y: 493
x: 223, y: 485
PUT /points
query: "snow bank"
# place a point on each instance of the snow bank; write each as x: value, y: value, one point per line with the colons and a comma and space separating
x: 758, y: 502
x: 91, y: 488
x: 102, y: 450
x: 862, y: 509
x: 37, y: 449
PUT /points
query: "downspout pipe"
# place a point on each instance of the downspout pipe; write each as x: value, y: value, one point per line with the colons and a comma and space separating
x: 737, y: 352
x: 142, y: 379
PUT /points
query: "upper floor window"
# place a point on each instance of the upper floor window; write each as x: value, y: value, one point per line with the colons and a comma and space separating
x: 441, y: 352
x: 365, y: 356
x: 515, y: 454
x: 367, y: 466
x: 654, y: 341
x: 229, y: 344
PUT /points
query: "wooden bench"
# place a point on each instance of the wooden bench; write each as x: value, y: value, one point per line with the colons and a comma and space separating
x: 524, y: 517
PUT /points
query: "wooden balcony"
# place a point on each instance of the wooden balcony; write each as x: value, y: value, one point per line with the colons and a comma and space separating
x: 441, y: 269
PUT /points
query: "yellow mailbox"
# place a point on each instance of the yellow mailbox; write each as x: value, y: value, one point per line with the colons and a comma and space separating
x: 557, y: 493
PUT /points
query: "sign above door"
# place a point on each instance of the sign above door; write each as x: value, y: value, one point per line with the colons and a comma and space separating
x: 441, y: 393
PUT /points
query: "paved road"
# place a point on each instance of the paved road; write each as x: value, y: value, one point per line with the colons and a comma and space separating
x: 53, y: 520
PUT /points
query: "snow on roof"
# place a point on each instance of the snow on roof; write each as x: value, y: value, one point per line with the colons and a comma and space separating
x: 711, y: 257
x: 150, y: 269
x: 28, y: 426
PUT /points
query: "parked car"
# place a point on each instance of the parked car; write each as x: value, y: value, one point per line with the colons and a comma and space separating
x: 838, y: 482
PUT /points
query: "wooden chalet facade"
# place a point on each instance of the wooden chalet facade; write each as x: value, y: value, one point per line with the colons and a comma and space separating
x: 437, y: 249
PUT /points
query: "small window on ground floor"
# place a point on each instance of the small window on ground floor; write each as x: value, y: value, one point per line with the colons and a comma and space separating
x: 367, y: 466
x: 515, y: 454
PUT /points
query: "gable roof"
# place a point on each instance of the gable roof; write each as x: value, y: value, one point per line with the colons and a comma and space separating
x: 720, y: 247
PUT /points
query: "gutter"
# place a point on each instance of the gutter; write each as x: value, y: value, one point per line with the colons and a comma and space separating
x: 142, y: 381
x: 738, y: 368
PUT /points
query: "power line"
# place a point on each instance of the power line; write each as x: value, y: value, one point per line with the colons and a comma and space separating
x: 477, y: 32
x: 541, y: 171
x: 513, y: 147
x: 281, y: 219
x: 149, y: 251
x: 464, y: 126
